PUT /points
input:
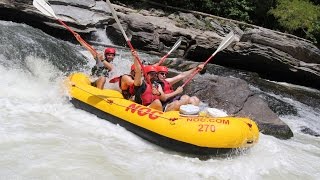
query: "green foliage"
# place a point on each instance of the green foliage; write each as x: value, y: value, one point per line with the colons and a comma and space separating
x: 199, y: 5
x: 235, y: 9
x: 260, y: 16
x: 296, y: 15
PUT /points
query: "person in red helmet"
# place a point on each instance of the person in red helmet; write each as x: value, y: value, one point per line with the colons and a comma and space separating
x: 126, y: 83
x: 170, y: 99
x: 146, y: 93
x: 103, y: 63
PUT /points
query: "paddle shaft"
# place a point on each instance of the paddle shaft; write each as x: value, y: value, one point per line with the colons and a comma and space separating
x: 139, y: 61
x: 197, y: 70
x: 113, y: 12
x: 46, y: 9
x: 75, y: 35
x: 163, y: 59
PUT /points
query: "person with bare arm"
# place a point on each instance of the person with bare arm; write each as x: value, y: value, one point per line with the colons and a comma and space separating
x: 146, y: 90
x: 103, y: 63
x: 126, y: 83
x: 170, y: 98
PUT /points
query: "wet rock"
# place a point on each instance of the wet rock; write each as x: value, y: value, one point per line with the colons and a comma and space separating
x: 269, y: 123
x: 309, y: 131
x: 234, y: 96
x: 278, y: 106
x: 271, y: 54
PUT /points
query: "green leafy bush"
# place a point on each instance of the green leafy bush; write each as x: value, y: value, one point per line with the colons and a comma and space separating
x: 235, y: 9
x: 296, y: 15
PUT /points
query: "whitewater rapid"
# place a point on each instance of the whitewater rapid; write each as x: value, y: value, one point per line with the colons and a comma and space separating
x: 44, y: 137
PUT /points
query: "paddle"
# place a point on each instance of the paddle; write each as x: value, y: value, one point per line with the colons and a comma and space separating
x: 115, y: 79
x: 175, y: 46
x: 45, y: 8
x: 127, y: 39
x: 224, y: 43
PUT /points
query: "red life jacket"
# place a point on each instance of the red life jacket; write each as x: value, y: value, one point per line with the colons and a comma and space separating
x: 129, y: 92
x: 166, y: 86
x: 146, y: 97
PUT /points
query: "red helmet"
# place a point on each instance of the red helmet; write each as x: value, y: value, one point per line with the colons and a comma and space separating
x: 110, y: 51
x: 162, y: 69
x: 133, y: 67
x: 149, y: 68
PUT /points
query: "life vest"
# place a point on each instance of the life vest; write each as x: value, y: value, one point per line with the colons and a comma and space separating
x: 100, y: 70
x: 144, y: 94
x: 129, y: 92
x: 166, y: 86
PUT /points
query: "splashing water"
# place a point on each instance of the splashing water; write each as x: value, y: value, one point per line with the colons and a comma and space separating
x: 44, y: 137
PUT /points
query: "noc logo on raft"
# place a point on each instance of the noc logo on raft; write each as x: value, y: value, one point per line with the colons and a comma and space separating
x: 143, y: 111
x: 202, y: 119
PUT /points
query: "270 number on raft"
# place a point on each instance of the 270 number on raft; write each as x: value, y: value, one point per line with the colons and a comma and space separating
x: 206, y: 128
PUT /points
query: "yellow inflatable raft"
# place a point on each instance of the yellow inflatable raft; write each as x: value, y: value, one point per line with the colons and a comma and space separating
x: 199, y: 135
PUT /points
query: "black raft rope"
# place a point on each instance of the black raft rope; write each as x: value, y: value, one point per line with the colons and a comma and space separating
x: 110, y: 101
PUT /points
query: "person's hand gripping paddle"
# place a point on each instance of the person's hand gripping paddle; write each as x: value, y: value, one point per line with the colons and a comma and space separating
x: 46, y: 9
x: 224, y: 43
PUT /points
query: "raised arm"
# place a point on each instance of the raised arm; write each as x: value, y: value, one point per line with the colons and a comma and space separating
x: 183, y: 75
x: 88, y: 47
x: 105, y: 63
x: 138, y: 75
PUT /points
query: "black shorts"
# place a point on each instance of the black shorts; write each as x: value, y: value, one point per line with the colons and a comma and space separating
x: 164, y: 104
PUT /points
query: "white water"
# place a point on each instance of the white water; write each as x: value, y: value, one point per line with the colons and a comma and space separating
x: 44, y: 137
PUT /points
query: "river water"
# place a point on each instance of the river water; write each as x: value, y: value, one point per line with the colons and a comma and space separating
x: 44, y: 137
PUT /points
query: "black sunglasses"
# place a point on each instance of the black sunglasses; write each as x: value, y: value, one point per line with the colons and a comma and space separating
x: 163, y: 73
x: 152, y: 73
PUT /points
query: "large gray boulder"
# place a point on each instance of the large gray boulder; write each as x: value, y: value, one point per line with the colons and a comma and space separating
x: 235, y: 97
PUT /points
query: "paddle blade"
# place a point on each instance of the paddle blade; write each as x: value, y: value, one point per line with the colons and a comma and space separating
x: 176, y: 45
x: 114, y: 80
x: 44, y: 7
x: 226, y: 41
